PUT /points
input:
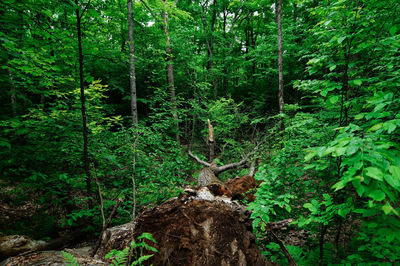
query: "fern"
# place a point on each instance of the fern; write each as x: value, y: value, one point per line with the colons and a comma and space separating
x: 69, y: 259
x: 121, y: 257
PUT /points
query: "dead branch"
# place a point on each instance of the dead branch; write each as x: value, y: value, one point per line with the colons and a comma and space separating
x: 100, y: 196
x: 271, y: 227
x: 284, y: 249
x: 98, y: 243
x: 198, y: 159
x: 230, y: 166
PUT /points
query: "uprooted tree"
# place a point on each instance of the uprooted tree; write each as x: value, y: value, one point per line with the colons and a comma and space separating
x: 209, y: 174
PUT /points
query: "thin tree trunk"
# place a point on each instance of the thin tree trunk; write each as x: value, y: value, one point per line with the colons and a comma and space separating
x: 83, y: 108
x: 13, y: 96
x: 280, y: 59
x: 321, y: 244
x: 211, y: 49
x: 132, y: 75
x: 170, y: 70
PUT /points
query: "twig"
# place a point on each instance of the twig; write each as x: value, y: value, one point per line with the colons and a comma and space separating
x: 198, y: 159
x: 284, y: 249
x: 84, y: 9
x: 101, y: 197
x: 270, y: 228
x: 98, y: 243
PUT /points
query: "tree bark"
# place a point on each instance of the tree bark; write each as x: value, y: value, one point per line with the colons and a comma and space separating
x: 321, y: 244
x: 211, y: 49
x: 132, y: 75
x: 280, y: 59
x: 211, y: 141
x: 170, y: 70
x: 83, y: 108
x: 13, y: 96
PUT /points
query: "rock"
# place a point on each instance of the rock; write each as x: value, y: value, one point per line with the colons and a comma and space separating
x: 15, y: 244
x: 53, y: 258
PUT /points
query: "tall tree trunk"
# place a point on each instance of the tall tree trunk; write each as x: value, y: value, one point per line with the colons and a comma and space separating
x: 211, y: 49
x: 132, y: 75
x: 170, y: 70
x: 13, y: 96
x: 83, y: 108
x: 280, y: 59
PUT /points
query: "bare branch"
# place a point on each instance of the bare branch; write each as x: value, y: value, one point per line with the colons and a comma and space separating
x: 230, y: 166
x: 280, y: 225
x: 198, y: 159
x: 84, y: 9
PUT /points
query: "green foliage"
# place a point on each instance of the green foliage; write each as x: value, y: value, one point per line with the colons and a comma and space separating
x: 335, y: 166
x: 121, y: 257
x: 69, y: 259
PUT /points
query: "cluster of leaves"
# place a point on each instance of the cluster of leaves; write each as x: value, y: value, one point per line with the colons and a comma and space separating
x: 120, y: 257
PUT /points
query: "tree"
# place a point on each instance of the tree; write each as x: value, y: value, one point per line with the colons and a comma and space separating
x: 170, y: 69
x: 79, y: 15
x: 132, y: 74
x: 280, y: 59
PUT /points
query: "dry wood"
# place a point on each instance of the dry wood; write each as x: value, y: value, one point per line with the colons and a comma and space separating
x: 211, y: 140
x: 98, y: 243
x: 271, y: 227
x: 198, y: 159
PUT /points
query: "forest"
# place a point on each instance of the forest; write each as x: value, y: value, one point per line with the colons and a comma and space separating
x: 116, y: 111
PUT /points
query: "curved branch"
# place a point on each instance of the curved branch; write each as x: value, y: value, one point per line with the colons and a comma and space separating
x: 230, y: 166
x: 198, y: 159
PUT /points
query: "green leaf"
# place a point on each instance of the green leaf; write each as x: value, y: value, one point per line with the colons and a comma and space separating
x: 393, y: 30
x: 357, y: 82
x: 387, y: 208
x: 333, y: 99
x: 309, y: 156
x: 147, y: 236
x: 377, y: 195
x: 352, y: 149
x: 343, y: 212
x: 341, y: 39
x: 394, y: 179
x: 5, y: 144
x: 359, y: 116
x: 375, y: 127
x: 339, y: 185
x: 310, y: 207
x: 340, y: 151
x: 374, y: 173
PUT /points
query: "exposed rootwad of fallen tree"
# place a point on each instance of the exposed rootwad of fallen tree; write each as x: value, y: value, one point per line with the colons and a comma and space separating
x: 201, y: 227
x: 198, y: 228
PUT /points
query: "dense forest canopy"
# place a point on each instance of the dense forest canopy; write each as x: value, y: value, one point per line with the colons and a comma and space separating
x: 102, y: 100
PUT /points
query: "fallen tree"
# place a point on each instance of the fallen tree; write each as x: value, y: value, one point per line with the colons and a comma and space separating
x: 198, y: 228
